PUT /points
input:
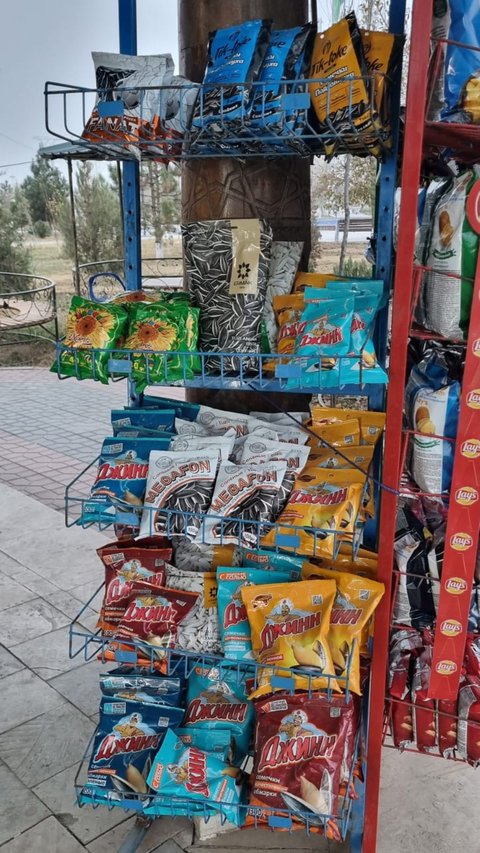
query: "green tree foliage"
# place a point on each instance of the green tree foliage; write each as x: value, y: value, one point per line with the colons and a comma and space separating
x: 160, y: 192
x: 45, y: 189
x: 98, y: 218
x: 14, y: 257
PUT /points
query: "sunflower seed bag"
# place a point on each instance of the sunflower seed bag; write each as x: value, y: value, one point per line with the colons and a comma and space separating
x: 227, y: 264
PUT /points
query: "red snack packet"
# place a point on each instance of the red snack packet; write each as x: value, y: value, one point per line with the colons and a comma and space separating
x: 127, y: 563
x: 424, y: 716
x: 468, y: 736
x: 347, y: 785
x: 472, y: 656
x: 403, y: 644
x: 299, y: 750
x: 153, y: 617
x: 447, y: 727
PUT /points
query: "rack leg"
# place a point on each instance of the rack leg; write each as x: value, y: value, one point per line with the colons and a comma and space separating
x: 136, y: 835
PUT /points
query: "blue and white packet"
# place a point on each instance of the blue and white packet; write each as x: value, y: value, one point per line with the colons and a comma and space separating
x: 182, y: 409
x: 284, y: 57
x: 432, y: 402
x: 200, y: 780
x: 235, y: 55
x: 217, y: 703
x: 235, y: 631
x: 262, y: 558
x: 149, y: 689
x: 148, y: 420
x: 208, y: 741
x: 462, y: 65
x: 127, y: 738
x: 324, y: 332
x: 121, y: 480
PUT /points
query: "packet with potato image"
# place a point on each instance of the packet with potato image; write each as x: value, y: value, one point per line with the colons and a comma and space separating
x: 299, y: 752
x: 289, y: 625
x: 125, y: 743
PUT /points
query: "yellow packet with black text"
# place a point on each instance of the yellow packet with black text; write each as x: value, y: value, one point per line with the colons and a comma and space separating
x: 289, y: 623
x: 355, y: 601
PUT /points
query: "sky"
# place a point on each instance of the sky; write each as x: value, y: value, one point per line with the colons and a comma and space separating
x: 52, y: 40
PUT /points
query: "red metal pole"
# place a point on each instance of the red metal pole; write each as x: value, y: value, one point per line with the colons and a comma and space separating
x: 402, y: 298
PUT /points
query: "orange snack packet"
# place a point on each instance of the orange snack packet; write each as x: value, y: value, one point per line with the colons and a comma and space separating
x: 355, y: 601
x: 372, y: 424
x: 289, y: 624
x: 313, y: 279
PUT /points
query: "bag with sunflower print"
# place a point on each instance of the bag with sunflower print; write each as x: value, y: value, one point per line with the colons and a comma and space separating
x: 91, y: 330
x: 155, y: 330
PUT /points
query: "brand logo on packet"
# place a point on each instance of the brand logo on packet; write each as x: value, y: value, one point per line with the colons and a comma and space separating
x: 199, y: 711
x: 271, y: 632
x: 149, y: 613
x: 476, y: 347
x: 345, y: 616
x: 234, y: 614
x: 471, y: 448
x: 446, y: 667
x: 473, y: 399
x: 197, y: 772
x: 461, y: 541
x: 455, y: 586
x: 324, y: 499
x: 302, y: 748
x: 450, y: 627
x: 122, y: 471
x: 112, y: 745
x: 466, y: 496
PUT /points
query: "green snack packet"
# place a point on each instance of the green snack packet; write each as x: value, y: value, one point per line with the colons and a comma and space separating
x: 159, y: 328
x: 90, y: 327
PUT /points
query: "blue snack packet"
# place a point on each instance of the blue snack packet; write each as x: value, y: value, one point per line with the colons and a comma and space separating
x: 262, y: 558
x: 216, y: 703
x: 462, y: 64
x: 234, y: 58
x: 324, y: 332
x: 150, y: 420
x: 121, y: 479
x: 187, y: 411
x: 232, y: 615
x: 149, y: 689
x: 125, y: 743
x: 208, y: 741
x: 284, y: 56
x: 190, y: 774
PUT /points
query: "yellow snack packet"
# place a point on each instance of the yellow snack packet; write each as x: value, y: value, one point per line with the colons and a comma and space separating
x: 288, y: 310
x: 289, y: 624
x: 337, y: 434
x: 324, y: 457
x: 355, y: 601
x: 313, y: 279
x: 362, y: 554
x: 372, y: 424
x: 382, y: 51
x: 327, y: 501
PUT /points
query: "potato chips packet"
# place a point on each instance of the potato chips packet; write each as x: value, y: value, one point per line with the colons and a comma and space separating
x: 90, y: 326
x: 320, y: 511
x: 355, y: 601
x: 289, y: 624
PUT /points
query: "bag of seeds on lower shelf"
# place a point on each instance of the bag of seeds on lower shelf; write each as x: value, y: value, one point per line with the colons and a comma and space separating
x: 432, y: 402
x: 193, y: 556
x: 199, y: 631
x: 90, y: 327
x: 127, y: 738
x: 226, y: 265
x: 452, y: 249
x: 182, y: 482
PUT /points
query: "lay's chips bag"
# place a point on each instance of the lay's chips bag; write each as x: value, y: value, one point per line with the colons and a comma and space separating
x: 289, y: 624
x: 320, y: 512
x: 355, y: 600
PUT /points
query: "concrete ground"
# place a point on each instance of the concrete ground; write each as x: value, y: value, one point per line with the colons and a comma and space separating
x: 48, y: 431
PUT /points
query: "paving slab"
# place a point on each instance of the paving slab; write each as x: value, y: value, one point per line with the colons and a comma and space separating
x: 85, y: 823
x: 29, y: 621
x: 49, y: 835
x: 81, y: 686
x: 9, y: 663
x: 47, y: 655
x: 44, y: 746
x: 178, y: 829
x: 25, y: 696
x: 19, y: 808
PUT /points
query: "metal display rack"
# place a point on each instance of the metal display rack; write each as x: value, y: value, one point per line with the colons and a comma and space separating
x: 356, y: 819
x: 426, y: 140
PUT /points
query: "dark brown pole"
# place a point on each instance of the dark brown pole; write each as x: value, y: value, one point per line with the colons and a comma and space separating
x: 277, y: 190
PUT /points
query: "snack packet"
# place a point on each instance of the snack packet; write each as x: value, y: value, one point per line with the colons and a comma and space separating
x: 461, y: 64
x: 356, y: 599
x: 261, y: 450
x: 284, y: 260
x: 299, y: 748
x: 313, y: 279
x: 261, y: 558
x: 192, y: 556
x: 182, y: 482
x: 181, y: 773
x: 153, y: 618
x: 125, y: 566
x: 232, y: 614
x: 372, y: 424
x: 226, y: 264
x: 90, y: 326
x: 121, y: 479
x: 324, y: 457
x: 320, y: 512
x: 246, y: 494
x: 218, y: 704
x: 208, y: 741
x: 289, y: 625
x: 288, y: 310
x: 382, y: 52
x: 147, y: 689
x: 338, y: 434
x: 218, y: 422
x: 468, y: 732
x: 147, y: 420
x: 126, y: 741
x: 424, y: 710
x: 224, y: 444
x: 182, y: 409
x: 199, y: 630
x: 404, y: 645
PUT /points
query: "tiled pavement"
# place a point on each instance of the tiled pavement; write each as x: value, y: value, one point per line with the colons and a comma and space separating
x: 48, y: 701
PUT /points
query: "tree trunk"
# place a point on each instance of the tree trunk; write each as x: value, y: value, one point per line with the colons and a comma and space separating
x: 275, y: 189
x: 346, y: 214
